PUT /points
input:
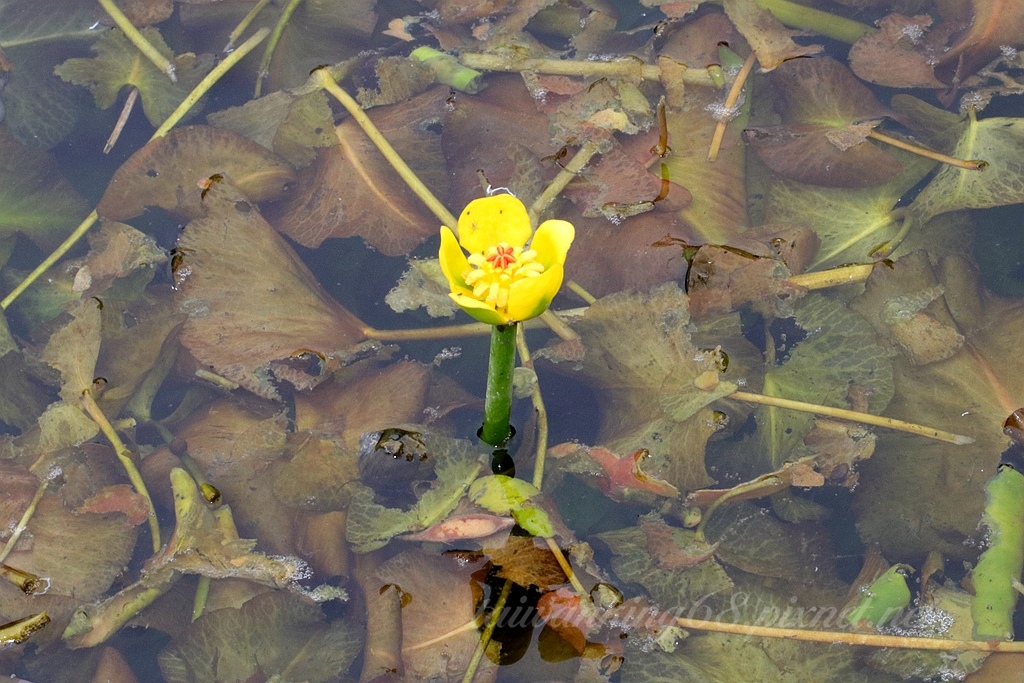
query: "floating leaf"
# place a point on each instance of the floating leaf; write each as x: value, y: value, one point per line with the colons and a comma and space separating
x: 840, y: 350
x: 169, y: 172
x: 119, y: 63
x: 371, y: 526
x: 253, y: 305
x: 279, y: 636
x: 353, y: 190
x: 35, y: 199
x: 827, y: 115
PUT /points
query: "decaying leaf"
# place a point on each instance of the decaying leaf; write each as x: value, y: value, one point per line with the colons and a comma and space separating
x: 256, y: 315
x: 353, y: 190
x: 171, y: 171
x: 989, y: 25
x: 278, y: 636
x: 119, y: 63
x: 621, y: 475
x: 423, y: 284
x: 826, y: 117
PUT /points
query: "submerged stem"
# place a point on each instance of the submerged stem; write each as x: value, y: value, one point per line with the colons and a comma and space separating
x: 587, y: 150
x: 844, y: 275
x: 968, y: 164
x: 631, y: 67
x: 124, y: 455
x: 825, y: 23
x: 485, y: 637
x: 328, y: 83
x: 498, y: 398
x: 730, y: 101
x: 853, y: 416
x: 835, y: 637
x: 275, y: 37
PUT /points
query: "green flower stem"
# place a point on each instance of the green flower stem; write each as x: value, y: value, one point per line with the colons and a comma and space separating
x: 801, y: 16
x: 498, y: 400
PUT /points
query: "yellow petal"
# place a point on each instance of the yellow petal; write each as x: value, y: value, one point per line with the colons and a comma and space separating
x: 488, y: 221
x: 479, y: 310
x: 453, y: 260
x: 529, y: 297
x: 552, y: 241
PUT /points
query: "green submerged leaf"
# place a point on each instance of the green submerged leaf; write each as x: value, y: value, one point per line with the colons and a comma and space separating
x: 274, y: 636
x: 671, y: 587
x: 118, y: 63
x: 35, y: 199
x: 840, y: 349
x: 25, y: 22
x: 371, y: 525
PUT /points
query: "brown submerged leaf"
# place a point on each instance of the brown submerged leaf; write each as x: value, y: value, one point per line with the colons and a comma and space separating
x: 253, y: 306
x: 352, y: 189
x: 895, y: 54
x: 903, y: 500
x: 772, y: 41
x: 167, y: 172
x: 826, y: 117
x: 439, y: 631
x: 73, y: 349
x: 989, y: 25
x: 653, y: 383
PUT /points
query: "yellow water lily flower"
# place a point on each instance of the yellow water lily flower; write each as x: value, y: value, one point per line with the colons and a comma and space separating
x: 503, y: 280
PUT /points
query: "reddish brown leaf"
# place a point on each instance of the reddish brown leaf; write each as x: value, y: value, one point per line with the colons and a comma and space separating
x: 118, y: 498
x: 352, y: 189
x: 527, y: 562
x: 168, y: 172
x: 560, y: 609
x: 772, y: 41
x: 826, y: 117
x: 991, y: 25
x: 256, y: 314
x: 896, y: 54
x: 666, y: 551
x: 621, y: 473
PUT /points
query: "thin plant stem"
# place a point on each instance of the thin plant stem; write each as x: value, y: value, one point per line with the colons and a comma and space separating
x: 44, y: 481
x: 582, y: 157
x: 124, y: 455
x: 54, y: 256
x: 968, y: 164
x: 541, y: 411
x: 496, y: 429
x: 415, y: 184
x: 138, y: 40
x: 825, y: 23
x: 275, y: 37
x: 853, y: 416
x: 558, y: 326
x: 631, y: 68
x: 201, y: 88
x: 833, y: 277
x: 566, y: 567
x: 485, y: 637
x: 730, y: 101
x: 578, y: 290
x: 244, y: 24
x: 204, y: 85
x: 837, y: 637
x: 126, y: 110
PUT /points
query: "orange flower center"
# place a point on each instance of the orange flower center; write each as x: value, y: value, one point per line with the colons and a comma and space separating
x: 493, y: 272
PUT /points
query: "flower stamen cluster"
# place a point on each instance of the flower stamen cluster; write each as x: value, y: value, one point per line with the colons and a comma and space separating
x: 494, y: 271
